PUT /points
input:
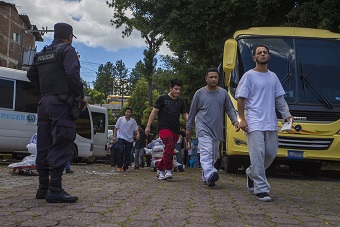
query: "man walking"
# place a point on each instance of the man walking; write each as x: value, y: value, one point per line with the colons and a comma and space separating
x: 258, y: 94
x: 168, y: 107
x: 207, y: 110
x: 124, y: 132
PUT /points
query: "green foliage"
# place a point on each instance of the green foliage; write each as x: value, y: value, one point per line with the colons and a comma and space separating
x: 136, y: 74
x: 316, y: 14
x: 105, y: 78
x: 196, y: 30
x: 139, y: 99
x: 142, y: 20
x: 96, y: 97
x: 121, y: 79
x: 113, y: 79
x: 111, y: 118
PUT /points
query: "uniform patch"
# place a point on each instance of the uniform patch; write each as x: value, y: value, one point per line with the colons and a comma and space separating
x: 46, y: 57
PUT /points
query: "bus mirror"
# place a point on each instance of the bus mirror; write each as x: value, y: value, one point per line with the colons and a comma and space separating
x: 229, y: 58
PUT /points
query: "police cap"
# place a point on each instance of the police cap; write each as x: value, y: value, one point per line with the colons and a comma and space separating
x: 63, y: 31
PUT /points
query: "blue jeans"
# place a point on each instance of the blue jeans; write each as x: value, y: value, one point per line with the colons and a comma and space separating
x: 68, y: 165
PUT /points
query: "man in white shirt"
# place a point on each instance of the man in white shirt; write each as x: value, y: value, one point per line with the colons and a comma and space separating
x: 258, y: 93
x: 124, y: 132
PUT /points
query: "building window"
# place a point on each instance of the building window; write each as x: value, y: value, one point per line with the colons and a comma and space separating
x: 16, y: 37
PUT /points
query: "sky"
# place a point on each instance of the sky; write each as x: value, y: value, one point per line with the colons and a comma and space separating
x: 98, y: 42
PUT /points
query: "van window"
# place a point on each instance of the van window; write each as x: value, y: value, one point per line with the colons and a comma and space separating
x: 83, y: 124
x: 6, y: 93
x: 27, y: 97
x: 99, y: 122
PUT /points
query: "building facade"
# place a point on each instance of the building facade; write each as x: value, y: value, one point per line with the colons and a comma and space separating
x: 16, y: 39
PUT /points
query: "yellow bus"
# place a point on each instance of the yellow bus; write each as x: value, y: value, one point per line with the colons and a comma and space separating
x: 118, y: 99
x: 307, y: 62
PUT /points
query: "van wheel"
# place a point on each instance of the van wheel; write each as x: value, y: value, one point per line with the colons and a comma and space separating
x: 91, y: 160
x: 231, y: 164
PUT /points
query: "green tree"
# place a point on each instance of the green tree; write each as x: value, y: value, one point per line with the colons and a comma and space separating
x: 196, y: 30
x: 141, y: 20
x: 316, y: 14
x: 121, y: 79
x: 96, y: 96
x: 104, y: 80
x: 136, y: 74
x: 139, y: 99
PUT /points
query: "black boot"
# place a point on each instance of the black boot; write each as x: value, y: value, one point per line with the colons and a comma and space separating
x: 43, y: 187
x: 56, y: 194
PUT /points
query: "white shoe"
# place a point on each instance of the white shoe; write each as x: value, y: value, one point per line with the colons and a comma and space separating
x: 160, y: 175
x: 168, y: 174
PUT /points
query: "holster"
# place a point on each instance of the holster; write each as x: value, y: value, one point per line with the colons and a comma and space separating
x: 73, y: 103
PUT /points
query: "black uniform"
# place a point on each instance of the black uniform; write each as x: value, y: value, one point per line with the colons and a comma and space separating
x: 55, y: 71
x: 56, y: 128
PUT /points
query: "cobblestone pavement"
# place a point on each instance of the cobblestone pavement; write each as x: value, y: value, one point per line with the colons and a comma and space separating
x: 137, y: 198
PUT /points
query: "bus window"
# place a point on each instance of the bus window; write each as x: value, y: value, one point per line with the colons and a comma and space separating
x: 6, y: 93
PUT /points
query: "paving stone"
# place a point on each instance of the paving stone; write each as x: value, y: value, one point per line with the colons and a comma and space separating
x: 137, y: 198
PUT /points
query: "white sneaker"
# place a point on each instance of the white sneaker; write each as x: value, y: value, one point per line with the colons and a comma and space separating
x: 168, y: 174
x: 160, y: 175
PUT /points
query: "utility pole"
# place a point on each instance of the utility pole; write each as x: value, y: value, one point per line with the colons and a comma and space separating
x: 23, y: 31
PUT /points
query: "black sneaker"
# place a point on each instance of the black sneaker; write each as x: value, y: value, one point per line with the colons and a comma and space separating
x: 212, y: 179
x: 264, y: 196
x: 250, y: 184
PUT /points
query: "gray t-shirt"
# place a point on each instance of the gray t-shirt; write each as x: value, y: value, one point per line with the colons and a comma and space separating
x: 207, y: 110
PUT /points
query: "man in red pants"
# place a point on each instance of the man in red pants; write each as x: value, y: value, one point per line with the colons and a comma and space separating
x: 168, y: 107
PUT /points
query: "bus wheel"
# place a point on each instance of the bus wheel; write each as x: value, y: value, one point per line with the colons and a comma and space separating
x: 311, y: 169
x: 91, y: 160
x: 231, y: 164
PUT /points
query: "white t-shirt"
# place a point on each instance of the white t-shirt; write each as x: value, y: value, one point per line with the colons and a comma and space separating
x: 126, y: 129
x: 260, y: 90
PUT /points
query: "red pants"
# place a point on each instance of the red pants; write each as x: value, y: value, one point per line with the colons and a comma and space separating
x: 169, y: 139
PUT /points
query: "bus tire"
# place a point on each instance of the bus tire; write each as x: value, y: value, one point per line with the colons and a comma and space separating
x: 231, y: 164
x: 311, y: 169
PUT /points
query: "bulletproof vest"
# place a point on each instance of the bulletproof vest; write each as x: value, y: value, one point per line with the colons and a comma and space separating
x: 52, y: 76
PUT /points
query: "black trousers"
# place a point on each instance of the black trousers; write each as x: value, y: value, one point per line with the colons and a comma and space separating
x: 55, y: 137
x: 124, y: 150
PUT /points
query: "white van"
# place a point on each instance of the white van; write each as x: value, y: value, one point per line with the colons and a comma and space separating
x: 18, y: 118
x: 100, y: 125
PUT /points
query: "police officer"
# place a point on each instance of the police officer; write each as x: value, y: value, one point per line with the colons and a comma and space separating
x: 56, y: 73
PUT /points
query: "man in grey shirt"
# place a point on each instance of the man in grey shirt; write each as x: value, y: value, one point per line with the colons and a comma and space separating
x: 207, y: 110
